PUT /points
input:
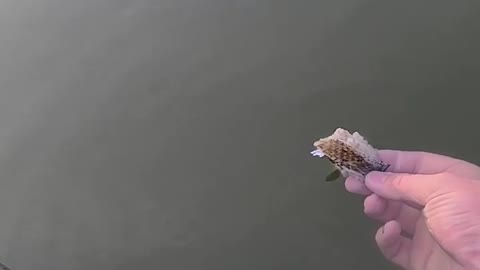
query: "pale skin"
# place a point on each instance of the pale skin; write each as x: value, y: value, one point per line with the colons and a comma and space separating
x: 434, y: 200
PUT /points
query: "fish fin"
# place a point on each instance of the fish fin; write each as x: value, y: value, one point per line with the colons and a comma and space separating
x: 333, y: 176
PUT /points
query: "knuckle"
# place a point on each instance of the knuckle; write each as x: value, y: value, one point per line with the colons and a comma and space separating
x: 397, y: 181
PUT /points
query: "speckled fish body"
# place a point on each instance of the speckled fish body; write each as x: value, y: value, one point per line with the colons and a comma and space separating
x: 350, y: 153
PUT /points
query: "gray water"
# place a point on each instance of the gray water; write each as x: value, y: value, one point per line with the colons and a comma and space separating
x: 176, y: 134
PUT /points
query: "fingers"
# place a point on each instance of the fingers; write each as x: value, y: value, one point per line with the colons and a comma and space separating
x: 393, y: 245
x: 386, y: 210
x: 415, y: 189
x: 408, y: 162
x: 416, y: 162
x: 356, y: 186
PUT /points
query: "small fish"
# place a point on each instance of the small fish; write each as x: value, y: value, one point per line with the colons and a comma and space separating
x: 351, y: 154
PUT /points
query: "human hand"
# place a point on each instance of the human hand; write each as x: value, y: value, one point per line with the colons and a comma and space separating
x: 433, y: 199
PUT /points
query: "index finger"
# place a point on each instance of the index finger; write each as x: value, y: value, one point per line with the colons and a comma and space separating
x: 416, y: 162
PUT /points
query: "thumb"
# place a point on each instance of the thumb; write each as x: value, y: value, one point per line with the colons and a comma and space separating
x: 416, y: 189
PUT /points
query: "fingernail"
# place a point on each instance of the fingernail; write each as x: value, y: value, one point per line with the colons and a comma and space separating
x: 356, y: 178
